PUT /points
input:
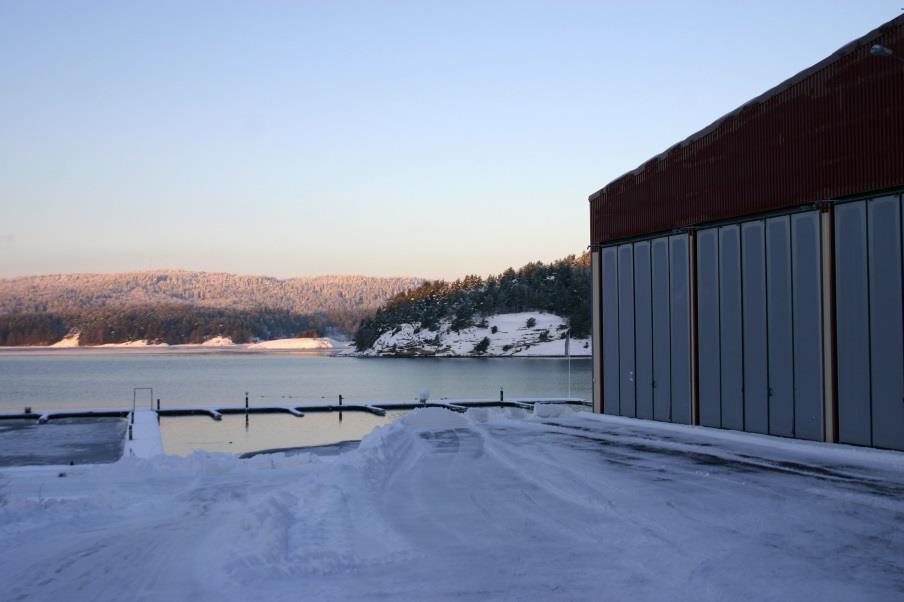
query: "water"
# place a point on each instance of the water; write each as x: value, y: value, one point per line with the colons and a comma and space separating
x: 93, y: 379
x: 73, y: 379
x: 185, y: 434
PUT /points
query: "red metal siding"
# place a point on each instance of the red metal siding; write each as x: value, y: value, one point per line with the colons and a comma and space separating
x: 834, y: 130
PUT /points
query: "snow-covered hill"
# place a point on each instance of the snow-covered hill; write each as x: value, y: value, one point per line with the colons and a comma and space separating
x: 516, y: 334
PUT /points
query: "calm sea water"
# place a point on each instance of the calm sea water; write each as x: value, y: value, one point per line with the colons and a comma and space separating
x: 59, y: 379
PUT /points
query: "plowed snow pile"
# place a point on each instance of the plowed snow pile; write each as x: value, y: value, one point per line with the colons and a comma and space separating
x: 487, y: 505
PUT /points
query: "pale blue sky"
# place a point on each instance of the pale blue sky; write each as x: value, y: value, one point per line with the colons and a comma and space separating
x: 384, y: 138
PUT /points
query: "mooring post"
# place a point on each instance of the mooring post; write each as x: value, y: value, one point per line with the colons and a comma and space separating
x: 158, y: 404
x: 131, y: 418
x: 130, y: 432
x: 246, y: 402
x: 340, y: 399
x: 340, y: 405
x: 501, y: 395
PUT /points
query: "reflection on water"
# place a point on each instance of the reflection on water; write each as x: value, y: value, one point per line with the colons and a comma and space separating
x: 183, y: 435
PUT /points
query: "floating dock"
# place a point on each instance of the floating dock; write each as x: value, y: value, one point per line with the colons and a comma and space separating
x: 144, y: 439
x: 216, y: 412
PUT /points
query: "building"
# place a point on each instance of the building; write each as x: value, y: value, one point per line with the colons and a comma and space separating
x: 750, y: 277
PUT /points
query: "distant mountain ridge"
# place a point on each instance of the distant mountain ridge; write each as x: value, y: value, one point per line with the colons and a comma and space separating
x: 73, y: 292
x: 181, y: 306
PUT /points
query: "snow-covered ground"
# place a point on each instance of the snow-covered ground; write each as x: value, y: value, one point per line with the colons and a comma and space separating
x: 512, y: 337
x: 488, y: 505
x: 292, y: 344
x: 70, y: 340
x: 299, y: 343
x: 138, y: 343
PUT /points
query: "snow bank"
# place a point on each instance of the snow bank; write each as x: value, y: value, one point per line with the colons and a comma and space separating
x: 138, y: 343
x: 434, y: 418
x: 298, y: 343
x: 218, y: 342
x: 512, y: 337
x: 70, y: 340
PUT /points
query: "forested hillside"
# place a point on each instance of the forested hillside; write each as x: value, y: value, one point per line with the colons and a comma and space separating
x: 185, y: 307
x: 562, y: 287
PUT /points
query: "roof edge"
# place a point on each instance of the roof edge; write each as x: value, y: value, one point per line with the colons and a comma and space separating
x: 845, y: 50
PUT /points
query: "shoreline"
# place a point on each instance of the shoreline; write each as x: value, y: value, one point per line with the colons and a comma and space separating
x: 245, y: 350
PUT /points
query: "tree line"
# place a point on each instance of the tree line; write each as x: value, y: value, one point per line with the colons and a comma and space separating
x: 173, y: 324
x: 562, y: 287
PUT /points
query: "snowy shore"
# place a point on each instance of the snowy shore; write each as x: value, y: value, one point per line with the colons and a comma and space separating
x: 523, y: 334
x: 221, y: 343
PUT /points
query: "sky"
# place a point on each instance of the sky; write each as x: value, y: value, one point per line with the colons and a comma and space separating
x: 432, y: 139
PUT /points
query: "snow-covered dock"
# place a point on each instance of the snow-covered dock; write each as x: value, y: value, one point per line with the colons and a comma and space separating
x: 490, y: 504
x: 144, y: 439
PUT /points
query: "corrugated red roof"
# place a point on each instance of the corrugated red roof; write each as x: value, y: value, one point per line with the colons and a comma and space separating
x: 833, y: 130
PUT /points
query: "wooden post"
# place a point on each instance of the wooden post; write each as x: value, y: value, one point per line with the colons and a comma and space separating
x: 501, y: 395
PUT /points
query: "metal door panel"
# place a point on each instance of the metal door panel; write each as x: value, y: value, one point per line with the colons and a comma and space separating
x: 610, y: 330
x: 852, y: 321
x: 626, y: 330
x: 708, y: 327
x: 806, y: 286
x: 643, y: 328
x: 886, y: 334
x: 753, y: 264
x: 662, y: 357
x: 781, y: 348
x: 730, y: 316
x: 679, y: 276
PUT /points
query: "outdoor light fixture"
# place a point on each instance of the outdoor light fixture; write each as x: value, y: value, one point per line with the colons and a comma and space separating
x: 880, y: 50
